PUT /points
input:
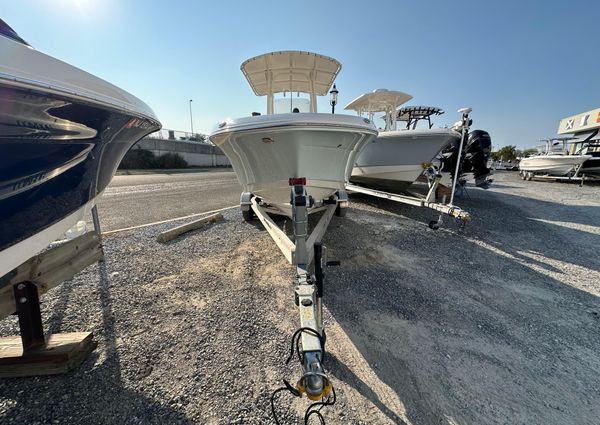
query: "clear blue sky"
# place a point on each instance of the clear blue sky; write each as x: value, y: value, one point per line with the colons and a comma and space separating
x: 521, y: 65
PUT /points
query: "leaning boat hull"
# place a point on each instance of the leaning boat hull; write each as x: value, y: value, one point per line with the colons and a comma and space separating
x: 394, y: 160
x: 63, y: 132
x: 266, y: 151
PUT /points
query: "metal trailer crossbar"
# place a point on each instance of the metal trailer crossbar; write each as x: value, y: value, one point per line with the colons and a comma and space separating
x: 425, y: 202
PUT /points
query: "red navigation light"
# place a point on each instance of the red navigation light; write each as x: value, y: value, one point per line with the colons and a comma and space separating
x: 293, y: 181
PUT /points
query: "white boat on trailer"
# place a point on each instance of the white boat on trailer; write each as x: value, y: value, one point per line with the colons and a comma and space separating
x: 552, y: 162
x: 293, y: 164
x: 396, y: 158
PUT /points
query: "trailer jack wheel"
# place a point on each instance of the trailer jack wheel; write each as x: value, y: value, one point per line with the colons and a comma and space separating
x: 434, y: 224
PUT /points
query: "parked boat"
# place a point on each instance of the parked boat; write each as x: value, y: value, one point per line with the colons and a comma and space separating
x: 396, y: 158
x: 271, y: 152
x: 63, y: 133
x: 552, y: 159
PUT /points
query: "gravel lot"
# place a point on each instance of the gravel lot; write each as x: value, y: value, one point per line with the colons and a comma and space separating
x: 496, y: 323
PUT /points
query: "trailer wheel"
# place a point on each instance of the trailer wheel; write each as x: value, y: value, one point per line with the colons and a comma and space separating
x: 434, y: 225
x: 529, y: 176
x: 248, y: 214
x: 341, y: 212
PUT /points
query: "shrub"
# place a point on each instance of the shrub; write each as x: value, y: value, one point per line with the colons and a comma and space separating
x: 171, y: 160
x: 138, y: 159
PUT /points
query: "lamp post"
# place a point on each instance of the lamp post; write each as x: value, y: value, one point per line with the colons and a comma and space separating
x: 191, y: 121
x: 334, y: 92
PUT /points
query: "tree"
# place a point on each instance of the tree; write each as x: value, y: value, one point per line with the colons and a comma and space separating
x: 506, y: 153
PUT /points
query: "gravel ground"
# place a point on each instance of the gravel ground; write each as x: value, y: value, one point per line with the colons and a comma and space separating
x: 496, y: 323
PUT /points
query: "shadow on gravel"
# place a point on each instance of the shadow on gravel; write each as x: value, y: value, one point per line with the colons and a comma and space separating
x: 533, y: 229
x: 90, y: 394
x: 463, y: 334
x: 344, y: 373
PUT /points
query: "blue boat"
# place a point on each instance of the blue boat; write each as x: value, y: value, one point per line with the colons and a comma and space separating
x: 63, y: 133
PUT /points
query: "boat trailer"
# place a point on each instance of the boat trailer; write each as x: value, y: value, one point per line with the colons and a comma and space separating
x: 433, y: 180
x: 575, y: 177
x: 302, y: 251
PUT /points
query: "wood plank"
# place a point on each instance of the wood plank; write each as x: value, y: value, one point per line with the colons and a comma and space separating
x: 51, y: 268
x: 61, y: 353
x: 184, y: 228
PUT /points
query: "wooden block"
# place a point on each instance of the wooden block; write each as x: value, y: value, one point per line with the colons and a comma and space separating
x: 444, y: 190
x: 61, y: 353
x: 196, y: 224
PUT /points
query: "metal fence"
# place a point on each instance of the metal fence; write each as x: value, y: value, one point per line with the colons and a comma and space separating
x: 167, y: 134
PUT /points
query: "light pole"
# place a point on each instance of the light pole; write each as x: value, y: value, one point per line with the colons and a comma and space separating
x: 334, y: 92
x: 191, y: 121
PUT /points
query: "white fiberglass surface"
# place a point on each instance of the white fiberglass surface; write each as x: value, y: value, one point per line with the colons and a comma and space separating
x: 408, y: 147
x: 294, y: 71
x: 32, y: 68
x: 266, y: 157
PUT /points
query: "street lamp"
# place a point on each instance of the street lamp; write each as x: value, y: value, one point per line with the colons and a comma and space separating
x: 191, y: 122
x: 334, y: 92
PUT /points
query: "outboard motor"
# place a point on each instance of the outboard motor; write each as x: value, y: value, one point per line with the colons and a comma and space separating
x: 477, y: 155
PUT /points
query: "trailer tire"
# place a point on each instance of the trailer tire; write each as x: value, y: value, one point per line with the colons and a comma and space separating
x: 248, y: 214
x: 341, y: 212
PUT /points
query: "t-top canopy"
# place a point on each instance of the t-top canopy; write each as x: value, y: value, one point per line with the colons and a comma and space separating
x: 291, y: 71
x: 417, y: 112
x: 413, y: 114
x: 380, y: 100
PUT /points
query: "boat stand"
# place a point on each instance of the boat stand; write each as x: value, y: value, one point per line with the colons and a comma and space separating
x: 301, y: 252
x: 31, y: 353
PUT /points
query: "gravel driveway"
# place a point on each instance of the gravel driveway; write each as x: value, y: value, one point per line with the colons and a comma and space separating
x: 496, y: 323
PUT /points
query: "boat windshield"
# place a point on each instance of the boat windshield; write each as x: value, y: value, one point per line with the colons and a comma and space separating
x: 289, y: 104
x: 7, y: 31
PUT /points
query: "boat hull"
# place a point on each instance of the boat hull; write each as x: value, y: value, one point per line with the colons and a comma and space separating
x: 553, y: 165
x: 394, y: 160
x: 266, y: 151
x: 58, y: 154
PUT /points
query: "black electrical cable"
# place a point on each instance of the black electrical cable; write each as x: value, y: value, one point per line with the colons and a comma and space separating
x: 314, y: 408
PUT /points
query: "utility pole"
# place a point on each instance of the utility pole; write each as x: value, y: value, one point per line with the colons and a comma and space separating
x: 191, y: 121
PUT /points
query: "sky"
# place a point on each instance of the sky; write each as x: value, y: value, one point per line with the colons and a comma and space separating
x: 521, y: 65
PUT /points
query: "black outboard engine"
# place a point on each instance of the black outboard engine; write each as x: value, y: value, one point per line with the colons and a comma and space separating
x: 476, y: 154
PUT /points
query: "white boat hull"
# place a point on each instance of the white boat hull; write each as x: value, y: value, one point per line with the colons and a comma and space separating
x: 553, y: 165
x: 395, y: 159
x: 17, y: 254
x: 266, y: 151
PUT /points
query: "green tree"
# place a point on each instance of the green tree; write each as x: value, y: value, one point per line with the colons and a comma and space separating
x: 506, y: 153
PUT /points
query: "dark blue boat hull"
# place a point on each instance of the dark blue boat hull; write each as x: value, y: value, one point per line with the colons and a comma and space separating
x: 56, y: 155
